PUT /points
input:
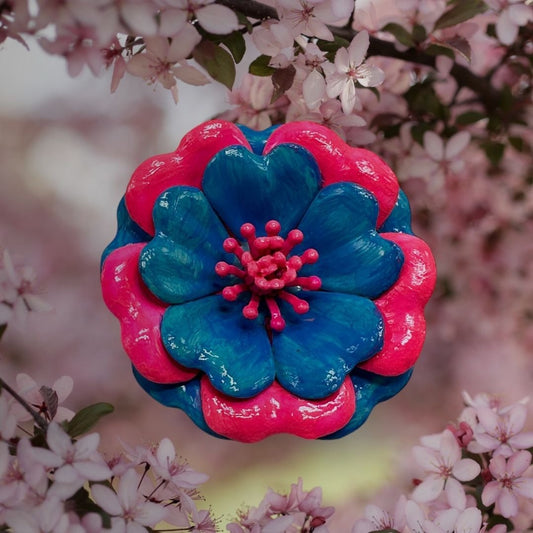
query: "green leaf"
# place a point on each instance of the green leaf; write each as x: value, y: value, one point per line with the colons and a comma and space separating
x: 260, y: 66
x: 243, y: 19
x: 518, y: 143
x: 401, y: 34
x: 494, y: 151
x: 440, y: 50
x: 419, y: 33
x: 463, y: 10
x: 217, y: 61
x: 282, y: 80
x: 469, y: 117
x: 86, y: 418
x: 331, y: 47
x: 235, y: 43
x: 424, y: 102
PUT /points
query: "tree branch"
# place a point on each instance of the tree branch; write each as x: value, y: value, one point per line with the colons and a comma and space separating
x: 488, y: 96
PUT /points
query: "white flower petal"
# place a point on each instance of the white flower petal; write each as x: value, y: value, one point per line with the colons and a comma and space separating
x: 506, y: 29
x: 58, y: 441
x: 434, y: 145
x: 93, y: 471
x: 314, y: 90
x: 139, y: 17
x: 358, y: 48
x: 425, y: 457
x: 469, y: 521
x: 183, y: 43
x: 455, y: 493
x: 520, y: 14
x: 516, y: 418
x: 172, y: 21
x: 349, y: 98
x: 106, y: 499
x: 217, y: 19
x: 466, y: 469
x: 127, y: 490
x: 429, y: 489
x: 370, y: 76
x: 456, y: 144
x: 342, y: 60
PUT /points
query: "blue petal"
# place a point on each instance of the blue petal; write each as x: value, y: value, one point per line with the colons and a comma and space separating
x: 340, y: 224
x: 178, y: 265
x: 211, y: 334
x: 127, y: 232
x: 257, y: 139
x: 245, y: 187
x: 316, y: 350
x: 370, y: 389
x: 399, y: 221
x: 184, y: 396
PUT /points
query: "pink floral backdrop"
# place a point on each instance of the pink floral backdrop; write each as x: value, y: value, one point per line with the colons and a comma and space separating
x: 65, y: 162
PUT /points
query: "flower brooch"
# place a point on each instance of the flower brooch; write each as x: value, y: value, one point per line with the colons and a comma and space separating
x: 268, y: 282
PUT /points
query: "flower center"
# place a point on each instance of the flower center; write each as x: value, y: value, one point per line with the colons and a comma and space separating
x: 267, y: 270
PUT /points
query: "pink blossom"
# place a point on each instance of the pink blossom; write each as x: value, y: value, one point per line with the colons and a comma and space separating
x: 443, y: 468
x: 8, y: 420
x: 508, y: 482
x: 512, y: 15
x: 378, y: 519
x: 164, y: 61
x: 29, y: 391
x: 128, y: 508
x: 275, y: 40
x: 48, y: 517
x: 171, y: 471
x: 17, y: 293
x: 214, y: 18
x: 501, y: 434
x: 348, y: 70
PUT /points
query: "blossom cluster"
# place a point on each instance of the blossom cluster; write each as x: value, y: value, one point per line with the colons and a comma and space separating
x: 477, y: 476
x: 54, y: 478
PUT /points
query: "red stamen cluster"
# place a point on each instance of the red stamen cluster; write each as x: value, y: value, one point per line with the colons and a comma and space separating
x: 266, y: 271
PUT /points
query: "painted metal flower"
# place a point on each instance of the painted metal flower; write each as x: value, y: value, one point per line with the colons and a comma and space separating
x: 268, y: 282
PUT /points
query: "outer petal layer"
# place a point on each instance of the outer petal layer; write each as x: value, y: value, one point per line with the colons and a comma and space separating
x: 339, y: 162
x: 185, y: 397
x: 402, y: 307
x: 276, y: 411
x: 245, y: 187
x: 140, y: 317
x: 212, y: 335
x: 370, y: 389
x: 178, y: 264
x: 316, y: 351
x: 185, y: 166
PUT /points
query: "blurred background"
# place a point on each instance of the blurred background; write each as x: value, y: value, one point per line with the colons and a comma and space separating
x: 67, y: 150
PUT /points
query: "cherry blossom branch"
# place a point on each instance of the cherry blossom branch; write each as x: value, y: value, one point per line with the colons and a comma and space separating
x: 39, y: 420
x: 489, y: 97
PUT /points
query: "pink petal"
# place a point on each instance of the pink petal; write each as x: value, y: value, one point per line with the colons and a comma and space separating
x: 455, y: 494
x: 497, y: 466
x: 456, y: 145
x: 518, y: 463
x: 58, y: 441
x: 339, y: 162
x: 139, y: 17
x: 217, y: 19
x: 449, y: 448
x: 516, y: 418
x: 522, y: 440
x: 370, y: 76
x: 93, y: 471
x: 140, y: 316
x: 425, y: 457
x: 469, y: 521
x: 402, y: 308
x: 275, y: 410
x: 342, y: 60
x: 313, y: 89
x: 429, y: 489
x: 87, y: 445
x: 106, y: 499
x: 524, y: 487
x: 335, y: 83
x: 490, y: 493
x: 520, y: 14
x: 190, y: 75
x: 185, y: 166
x: 358, y: 48
x: 434, y: 145
x: 349, y: 99
x: 466, y: 469
x: 183, y: 43
x: 166, y: 453
x: 172, y: 21
x: 506, y: 29
x: 63, y: 387
x: 507, y: 503
x: 127, y: 489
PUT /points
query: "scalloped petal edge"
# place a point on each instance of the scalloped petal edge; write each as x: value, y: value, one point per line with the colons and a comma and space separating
x: 276, y: 411
x: 140, y: 317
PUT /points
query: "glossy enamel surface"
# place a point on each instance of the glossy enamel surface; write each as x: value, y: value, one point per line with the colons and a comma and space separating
x: 215, y: 335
